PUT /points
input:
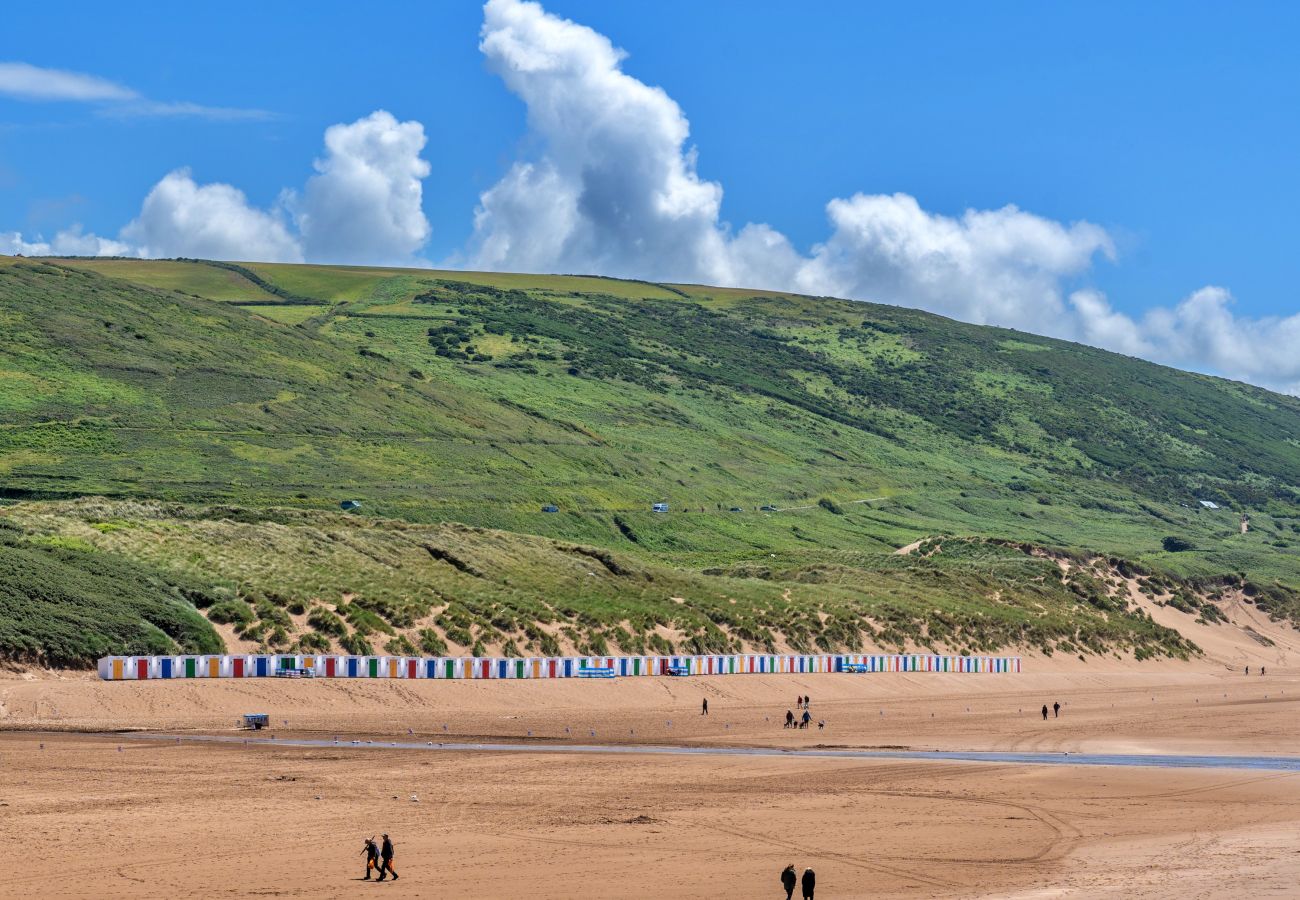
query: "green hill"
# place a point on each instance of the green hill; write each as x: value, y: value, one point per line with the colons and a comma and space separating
x: 222, y: 411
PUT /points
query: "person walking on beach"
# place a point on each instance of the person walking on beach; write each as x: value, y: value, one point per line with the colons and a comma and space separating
x: 789, y: 719
x: 809, y: 883
x: 788, y: 880
x: 1247, y: 670
x: 807, y: 717
x: 371, y: 853
x: 705, y: 711
x: 386, y: 857
x: 1044, y: 712
x: 798, y: 702
x: 806, y: 701
x: 1056, y: 709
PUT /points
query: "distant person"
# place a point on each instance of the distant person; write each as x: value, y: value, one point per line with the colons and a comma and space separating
x: 789, y: 719
x: 806, y: 701
x: 807, y: 717
x: 809, y: 883
x: 788, y: 881
x: 705, y: 710
x: 386, y: 860
x: 371, y: 853
x: 798, y: 702
x: 1044, y: 712
x: 1247, y: 670
x: 1261, y: 670
x: 1056, y: 709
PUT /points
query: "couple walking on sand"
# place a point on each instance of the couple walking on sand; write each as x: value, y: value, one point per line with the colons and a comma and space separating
x: 788, y: 879
x: 380, y: 858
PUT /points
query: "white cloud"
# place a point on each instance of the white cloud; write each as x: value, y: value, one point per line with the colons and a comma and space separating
x: 365, y: 204
x: 1200, y: 333
x: 180, y: 217
x: 143, y: 109
x: 24, y: 81
x: 614, y: 191
x: 1002, y: 266
x: 69, y: 242
x: 27, y: 82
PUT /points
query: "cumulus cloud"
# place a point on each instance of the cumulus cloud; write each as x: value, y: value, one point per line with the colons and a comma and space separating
x: 1199, y: 333
x: 1002, y: 266
x: 180, y: 217
x: 365, y: 204
x: 614, y: 190
x: 69, y: 242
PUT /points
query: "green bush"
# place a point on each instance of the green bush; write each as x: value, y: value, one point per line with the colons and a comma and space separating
x: 326, y: 622
x: 313, y: 642
x: 67, y: 607
x: 432, y: 643
x: 401, y: 646
x: 231, y: 612
x: 356, y: 645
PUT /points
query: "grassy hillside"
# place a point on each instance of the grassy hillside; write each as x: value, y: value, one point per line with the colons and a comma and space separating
x: 438, y: 397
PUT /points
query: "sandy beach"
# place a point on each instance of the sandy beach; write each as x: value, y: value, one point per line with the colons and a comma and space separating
x: 158, y: 818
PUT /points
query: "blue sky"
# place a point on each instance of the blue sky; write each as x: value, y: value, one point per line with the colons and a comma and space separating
x: 1172, y: 128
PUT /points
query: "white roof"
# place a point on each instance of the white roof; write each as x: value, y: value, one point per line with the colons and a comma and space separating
x: 1208, y: 504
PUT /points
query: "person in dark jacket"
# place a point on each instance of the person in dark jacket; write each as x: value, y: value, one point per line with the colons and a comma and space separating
x: 371, y: 853
x: 809, y: 883
x: 807, y: 717
x: 1056, y: 709
x: 789, y: 719
x: 1044, y: 712
x: 788, y: 880
x: 705, y: 711
x: 386, y: 855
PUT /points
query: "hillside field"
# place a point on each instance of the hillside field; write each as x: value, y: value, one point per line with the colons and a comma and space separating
x: 191, y: 428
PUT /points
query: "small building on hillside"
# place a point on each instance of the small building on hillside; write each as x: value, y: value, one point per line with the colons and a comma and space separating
x: 1208, y: 504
